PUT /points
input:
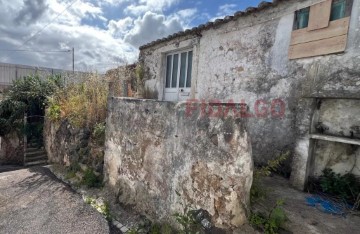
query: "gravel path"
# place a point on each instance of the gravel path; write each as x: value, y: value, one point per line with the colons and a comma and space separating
x: 33, y: 200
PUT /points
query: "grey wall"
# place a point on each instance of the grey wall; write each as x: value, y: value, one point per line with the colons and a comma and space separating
x: 160, y: 158
x: 247, y: 59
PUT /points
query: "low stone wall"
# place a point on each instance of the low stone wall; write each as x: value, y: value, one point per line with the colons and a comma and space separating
x: 161, y: 156
x: 70, y: 146
x: 11, y: 150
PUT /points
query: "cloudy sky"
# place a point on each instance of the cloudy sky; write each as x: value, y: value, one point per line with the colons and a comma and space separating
x: 104, y: 33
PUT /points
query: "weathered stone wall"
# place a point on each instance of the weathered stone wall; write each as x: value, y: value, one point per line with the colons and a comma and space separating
x: 11, y: 149
x: 247, y: 59
x: 70, y: 146
x: 155, y: 150
x: 123, y: 81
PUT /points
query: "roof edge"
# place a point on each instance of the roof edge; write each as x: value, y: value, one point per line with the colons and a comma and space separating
x: 202, y: 27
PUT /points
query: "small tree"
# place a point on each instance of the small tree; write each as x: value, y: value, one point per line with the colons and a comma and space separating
x: 25, y: 96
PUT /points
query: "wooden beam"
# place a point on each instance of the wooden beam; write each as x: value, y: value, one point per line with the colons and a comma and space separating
x: 320, y: 47
x: 336, y: 28
x: 319, y: 15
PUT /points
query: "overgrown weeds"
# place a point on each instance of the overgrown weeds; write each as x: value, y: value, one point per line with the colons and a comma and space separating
x: 271, y: 221
x: 344, y: 188
x: 82, y: 102
x: 258, y: 192
x: 91, y: 180
x: 100, y: 205
x: 98, y: 133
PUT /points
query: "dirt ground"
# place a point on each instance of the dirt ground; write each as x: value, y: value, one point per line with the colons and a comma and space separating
x: 303, y: 218
x: 33, y: 200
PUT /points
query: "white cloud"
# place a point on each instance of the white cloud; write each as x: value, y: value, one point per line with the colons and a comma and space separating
x: 151, y: 27
x: 185, y: 16
x: 113, y: 42
x: 120, y: 27
x: 143, y: 6
x: 225, y: 10
x: 136, y: 10
x: 158, y: 4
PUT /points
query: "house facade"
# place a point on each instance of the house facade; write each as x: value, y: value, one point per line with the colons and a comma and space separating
x: 295, y: 64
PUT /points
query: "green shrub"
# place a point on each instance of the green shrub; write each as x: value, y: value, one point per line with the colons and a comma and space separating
x: 99, y: 133
x: 70, y: 175
x: 28, y: 95
x: 188, y: 223
x: 271, y: 223
x: 91, y: 180
x: 347, y: 186
x: 54, y: 110
x: 75, y: 167
x: 101, y: 207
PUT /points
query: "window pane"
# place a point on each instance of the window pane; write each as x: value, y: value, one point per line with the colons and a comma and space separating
x: 338, y: 10
x: 189, y: 70
x: 303, y: 18
x: 168, y: 71
x: 175, y: 71
x: 182, y: 70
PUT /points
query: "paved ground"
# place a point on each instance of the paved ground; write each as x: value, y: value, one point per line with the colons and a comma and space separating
x: 34, y: 201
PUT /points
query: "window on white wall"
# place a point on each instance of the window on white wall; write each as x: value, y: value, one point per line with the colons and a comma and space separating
x: 178, y: 75
x: 321, y: 29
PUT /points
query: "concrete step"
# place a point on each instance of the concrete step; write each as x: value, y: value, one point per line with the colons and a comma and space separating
x: 34, y: 158
x: 36, y: 163
x: 30, y: 149
x: 35, y: 153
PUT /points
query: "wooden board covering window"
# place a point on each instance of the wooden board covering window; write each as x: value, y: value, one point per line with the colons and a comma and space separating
x: 320, y: 47
x: 320, y: 42
x: 319, y: 15
x: 336, y: 28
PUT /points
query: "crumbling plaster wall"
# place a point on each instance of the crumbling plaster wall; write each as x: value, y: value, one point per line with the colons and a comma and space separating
x: 160, y: 158
x: 247, y: 59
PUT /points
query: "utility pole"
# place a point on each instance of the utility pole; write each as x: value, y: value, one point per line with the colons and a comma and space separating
x: 73, y: 59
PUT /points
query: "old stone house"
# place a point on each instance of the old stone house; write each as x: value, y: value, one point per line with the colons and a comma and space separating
x: 296, y: 65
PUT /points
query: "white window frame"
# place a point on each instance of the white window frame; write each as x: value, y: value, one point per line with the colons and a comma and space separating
x: 178, y: 93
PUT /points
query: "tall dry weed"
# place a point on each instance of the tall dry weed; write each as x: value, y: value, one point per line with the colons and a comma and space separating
x: 82, y: 101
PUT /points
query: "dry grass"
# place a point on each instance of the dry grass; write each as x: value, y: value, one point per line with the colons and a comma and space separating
x: 82, y: 101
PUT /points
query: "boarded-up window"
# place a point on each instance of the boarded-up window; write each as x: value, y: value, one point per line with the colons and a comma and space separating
x: 302, y: 18
x: 326, y: 30
x: 338, y: 10
x: 319, y: 15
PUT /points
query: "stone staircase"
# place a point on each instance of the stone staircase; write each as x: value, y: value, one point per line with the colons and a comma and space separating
x: 35, y: 156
